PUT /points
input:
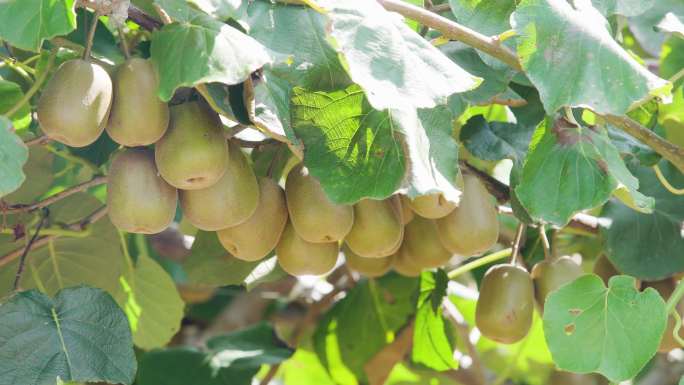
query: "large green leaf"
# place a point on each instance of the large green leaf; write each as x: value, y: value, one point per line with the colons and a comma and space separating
x: 623, y: 7
x: 26, y: 23
x: 222, y: 9
x: 571, y: 168
x: 39, y: 168
x: 644, y: 26
x: 614, y: 331
x: 432, y: 344
x: 496, y: 140
x: 13, y: 155
x: 648, y: 246
x: 80, y: 335
x: 210, y: 264
x: 356, y: 151
x: 199, y: 49
x: 572, y: 59
x: 671, y: 23
x: 396, y: 67
x: 10, y: 94
x: 357, y: 327
x: 249, y: 348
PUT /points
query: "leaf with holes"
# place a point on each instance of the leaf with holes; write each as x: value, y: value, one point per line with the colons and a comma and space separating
x: 26, y: 23
x: 80, y: 335
x: 572, y: 59
x: 613, y: 331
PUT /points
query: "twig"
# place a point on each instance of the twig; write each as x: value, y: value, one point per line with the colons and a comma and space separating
x: 516, y: 243
x: 165, y: 18
x: 37, y: 141
x: 35, y: 87
x: 501, y: 192
x: 270, y: 374
x: 59, y: 196
x: 545, y: 242
x: 22, y: 258
x: 142, y: 19
x: 253, y: 144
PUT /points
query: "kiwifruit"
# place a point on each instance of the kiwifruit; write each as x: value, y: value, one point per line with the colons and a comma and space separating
x: 139, y: 200
x: 404, y: 264
x: 74, y: 106
x: 228, y: 202
x: 665, y: 288
x: 432, y: 206
x: 138, y: 116
x: 377, y: 231
x: 256, y: 237
x: 506, y: 304
x: 422, y: 245
x: 566, y: 378
x: 370, y: 267
x: 406, y: 212
x: 549, y: 275
x: 472, y: 227
x: 192, y: 294
x: 299, y: 257
x: 605, y: 269
x: 313, y: 215
x: 193, y: 153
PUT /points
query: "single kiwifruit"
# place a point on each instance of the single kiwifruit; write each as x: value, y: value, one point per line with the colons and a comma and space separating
x: 406, y: 212
x: 228, y: 202
x: 665, y: 288
x: 432, y: 206
x: 566, y: 378
x: 313, y: 215
x: 473, y: 227
x: 299, y: 257
x: 138, y: 199
x: 138, y: 116
x: 404, y: 264
x: 74, y: 106
x: 605, y: 269
x: 193, y: 153
x: 506, y: 304
x: 549, y: 275
x: 370, y: 267
x: 193, y: 294
x: 422, y: 245
x: 377, y: 231
x: 255, y: 238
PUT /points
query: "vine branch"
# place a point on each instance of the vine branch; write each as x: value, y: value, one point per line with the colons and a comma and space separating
x: 24, y: 254
x: 57, y: 197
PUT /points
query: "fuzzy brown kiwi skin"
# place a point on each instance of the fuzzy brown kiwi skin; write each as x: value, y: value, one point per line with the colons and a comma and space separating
x: 370, y: 267
x: 421, y: 244
x: 378, y: 230
x: 432, y: 206
x: 74, y: 106
x: 138, y: 117
x: 299, y: 257
x: 549, y: 275
x: 506, y: 304
x: 138, y: 199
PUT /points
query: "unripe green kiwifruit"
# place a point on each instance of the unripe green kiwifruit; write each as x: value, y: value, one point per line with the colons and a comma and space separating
x: 228, y: 202
x: 422, y: 245
x: 566, y: 378
x: 404, y: 264
x: 257, y: 236
x: 432, y: 206
x: 377, y: 231
x: 193, y: 153
x: 506, y: 304
x: 473, y: 227
x: 313, y: 215
x: 406, y: 212
x: 139, y: 200
x: 605, y: 269
x: 549, y: 275
x: 370, y: 267
x: 74, y: 106
x: 299, y: 257
x: 665, y: 288
x: 138, y: 116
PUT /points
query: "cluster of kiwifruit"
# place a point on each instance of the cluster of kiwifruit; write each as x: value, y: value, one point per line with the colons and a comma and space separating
x: 218, y: 190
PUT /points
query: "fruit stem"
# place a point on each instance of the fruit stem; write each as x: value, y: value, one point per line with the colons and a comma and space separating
x: 35, y: 87
x: 545, y: 243
x: 124, y: 44
x: 91, y: 35
x: 665, y: 183
x: 516, y: 243
x: 501, y: 254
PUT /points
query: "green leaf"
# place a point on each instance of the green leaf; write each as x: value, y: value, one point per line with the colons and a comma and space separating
x: 648, y: 246
x: 97, y: 153
x: 13, y: 155
x: 356, y: 328
x: 199, y: 49
x: 571, y: 168
x: 356, y: 151
x: 80, y: 335
x: 432, y: 346
x: 396, y: 67
x: 10, y: 94
x: 672, y: 24
x: 496, y: 140
x: 645, y: 29
x: 222, y: 9
x: 613, y: 331
x: 210, y: 264
x: 26, y: 23
x: 622, y: 7
x: 39, y: 167
x: 572, y: 59
x: 232, y: 359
